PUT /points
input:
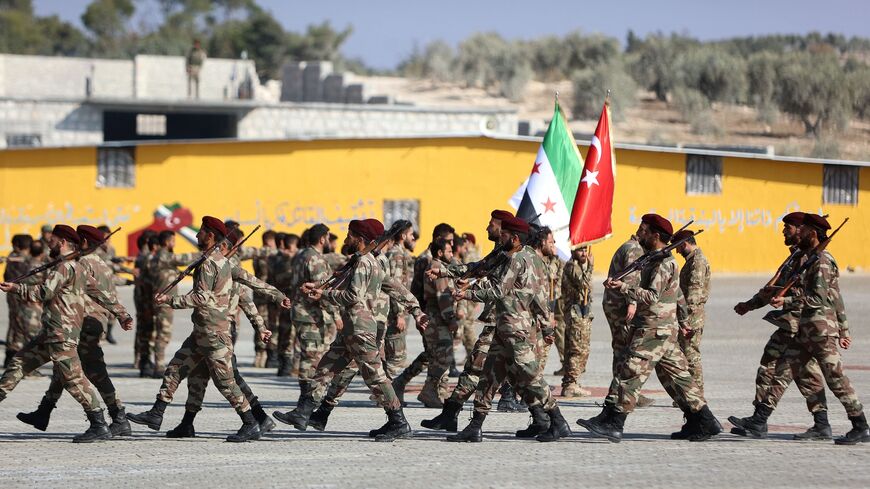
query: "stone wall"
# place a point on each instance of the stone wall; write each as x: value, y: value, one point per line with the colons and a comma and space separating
x: 39, y: 77
x: 53, y: 123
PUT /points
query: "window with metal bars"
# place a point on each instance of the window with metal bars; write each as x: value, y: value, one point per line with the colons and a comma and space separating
x: 116, y: 167
x: 840, y: 185
x: 703, y: 174
x: 402, y: 209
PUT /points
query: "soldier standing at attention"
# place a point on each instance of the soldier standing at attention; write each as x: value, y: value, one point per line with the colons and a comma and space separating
x: 195, y: 60
x: 100, y: 280
x: 809, y: 379
x: 822, y: 328
x: 652, y: 345
x: 577, y: 304
x: 63, y: 293
x: 695, y: 285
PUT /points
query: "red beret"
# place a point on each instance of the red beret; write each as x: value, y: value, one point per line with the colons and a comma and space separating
x: 376, y: 227
x: 63, y: 231
x: 366, y: 229
x: 215, y: 225
x: 516, y: 225
x: 470, y: 237
x: 794, y: 218
x: 658, y: 223
x: 816, y: 221
x: 90, y: 233
x: 685, y: 233
x: 235, y: 235
x: 501, y: 215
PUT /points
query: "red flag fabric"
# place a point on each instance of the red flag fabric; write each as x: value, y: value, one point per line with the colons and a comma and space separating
x: 593, y: 205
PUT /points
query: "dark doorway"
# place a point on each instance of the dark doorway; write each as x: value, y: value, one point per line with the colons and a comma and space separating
x: 137, y: 126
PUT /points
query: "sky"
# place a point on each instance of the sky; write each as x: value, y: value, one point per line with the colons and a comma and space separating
x: 386, y: 31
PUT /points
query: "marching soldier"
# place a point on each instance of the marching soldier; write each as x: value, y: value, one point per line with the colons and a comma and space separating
x: 822, y: 328
x: 695, y: 285
x: 577, y: 309
x: 652, y: 345
x: 401, y: 267
x: 143, y: 300
x: 17, y: 264
x: 264, y: 308
x: 63, y: 293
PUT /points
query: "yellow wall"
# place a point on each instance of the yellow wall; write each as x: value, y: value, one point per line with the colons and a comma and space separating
x: 293, y: 184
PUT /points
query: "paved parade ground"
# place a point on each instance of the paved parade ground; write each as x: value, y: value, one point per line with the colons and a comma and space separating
x: 344, y: 457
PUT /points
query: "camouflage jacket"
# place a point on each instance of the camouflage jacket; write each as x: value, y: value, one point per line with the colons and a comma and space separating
x: 210, y: 296
x: 576, y: 287
x: 16, y: 266
x: 164, y: 268
x: 253, y: 253
x: 355, y: 297
x: 624, y: 256
x: 519, y: 299
x: 308, y: 266
x: 494, y: 276
x: 439, y: 297
x: 695, y: 286
x: 281, y: 271
x: 822, y: 311
x: 240, y: 295
x: 400, y: 268
x: 64, y: 295
x: 553, y: 277
x: 657, y: 295
x: 421, y: 264
x: 335, y: 260
x: 393, y: 291
x: 100, y: 282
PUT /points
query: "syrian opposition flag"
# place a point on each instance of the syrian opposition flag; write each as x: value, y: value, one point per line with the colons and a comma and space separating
x: 549, y: 192
x: 590, y: 217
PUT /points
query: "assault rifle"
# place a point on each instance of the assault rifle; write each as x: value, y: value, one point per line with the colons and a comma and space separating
x: 71, y: 256
x: 375, y: 246
x: 812, y: 257
x: 653, y: 256
x: 240, y: 243
x: 480, y: 269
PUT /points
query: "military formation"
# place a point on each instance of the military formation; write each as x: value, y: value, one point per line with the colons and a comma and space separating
x: 324, y: 312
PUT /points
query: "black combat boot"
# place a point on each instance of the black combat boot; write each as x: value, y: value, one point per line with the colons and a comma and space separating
x: 447, y: 420
x: 120, y: 426
x: 298, y: 417
x: 146, y: 367
x: 109, y: 337
x: 399, y: 384
x: 755, y: 425
x: 858, y: 434
x: 605, y: 412
x: 540, y: 423
x: 820, y: 430
x: 249, y: 431
x: 263, y: 419
x: 610, y: 427
x: 558, y: 427
x: 708, y: 425
x: 98, y: 430
x: 473, y: 433
x: 285, y: 366
x: 453, y: 372
x: 397, y: 427
x: 9, y: 355
x: 508, y: 401
x: 320, y: 417
x: 152, y: 418
x: 39, y: 418
x: 185, y: 428
x: 272, y: 359
x: 692, y: 425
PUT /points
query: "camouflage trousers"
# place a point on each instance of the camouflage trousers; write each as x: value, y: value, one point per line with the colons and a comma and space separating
x: 340, y: 383
x: 620, y: 331
x: 93, y: 363
x: 395, y: 349
x: 439, y: 350
x: 163, y: 316
x: 310, y: 337
x: 363, y: 348
x: 25, y: 321
x: 578, y: 332
x: 808, y: 378
x: 559, y: 339
x: 144, y: 342
x: 215, y: 350
x: 198, y: 381
x: 513, y: 354
x: 466, y: 385
x: 66, y: 362
x: 270, y: 313
x: 286, y: 335
x: 654, y: 349
x: 691, y: 348
x: 465, y: 335
x: 810, y: 345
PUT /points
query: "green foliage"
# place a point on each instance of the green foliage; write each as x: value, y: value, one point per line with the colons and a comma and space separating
x: 719, y: 76
x: 107, y: 21
x: 489, y: 61
x: 591, y: 86
x: 696, y: 110
x: 811, y: 88
x: 761, y: 74
x: 858, y: 81
x: 435, y: 62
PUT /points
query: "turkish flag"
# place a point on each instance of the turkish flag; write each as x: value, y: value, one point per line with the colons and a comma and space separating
x: 593, y: 205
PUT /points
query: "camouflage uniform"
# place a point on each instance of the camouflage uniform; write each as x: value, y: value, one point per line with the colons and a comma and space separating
x: 653, y: 342
x: 17, y: 264
x: 615, y: 305
x: 264, y: 307
x: 210, y: 340
x: 99, y: 282
x: 63, y: 293
x: 467, y: 334
x: 809, y: 379
x: 421, y: 361
x: 143, y: 300
x: 331, y: 315
x: 554, y: 269
x: 308, y: 266
x: 164, y: 269
x: 395, y: 346
x: 30, y: 312
x: 822, y: 322
x: 438, y: 336
x: 519, y: 302
x: 695, y: 285
x: 577, y: 300
x: 283, y: 270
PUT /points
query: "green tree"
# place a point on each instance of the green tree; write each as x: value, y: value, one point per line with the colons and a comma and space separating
x: 812, y: 89
x: 108, y: 20
x: 656, y: 64
x: 720, y: 76
x: 320, y: 42
x: 858, y: 81
x: 591, y: 86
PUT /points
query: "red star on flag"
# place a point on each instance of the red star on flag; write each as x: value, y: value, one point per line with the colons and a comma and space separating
x: 535, y: 168
x: 549, y: 205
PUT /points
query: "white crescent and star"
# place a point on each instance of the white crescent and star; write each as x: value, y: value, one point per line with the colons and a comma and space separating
x: 597, y: 144
x: 590, y: 179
